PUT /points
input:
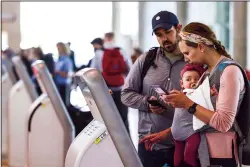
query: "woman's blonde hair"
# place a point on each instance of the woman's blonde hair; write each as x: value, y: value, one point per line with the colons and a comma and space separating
x: 65, y: 48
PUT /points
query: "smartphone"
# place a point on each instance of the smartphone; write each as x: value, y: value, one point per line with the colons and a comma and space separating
x: 158, y: 90
x: 154, y: 103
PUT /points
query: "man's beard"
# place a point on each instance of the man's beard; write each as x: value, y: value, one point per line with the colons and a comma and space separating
x: 169, y: 46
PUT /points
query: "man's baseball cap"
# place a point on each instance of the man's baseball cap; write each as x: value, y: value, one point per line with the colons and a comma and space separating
x: 164, y: 19
x: 97, y: 41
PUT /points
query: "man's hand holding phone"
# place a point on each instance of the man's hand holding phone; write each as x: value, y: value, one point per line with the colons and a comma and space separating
x: 155, y: 106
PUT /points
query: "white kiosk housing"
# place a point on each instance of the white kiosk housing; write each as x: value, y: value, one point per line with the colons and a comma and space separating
x: 8, y: 80
x: 105, y: 141
x: 50, y: 129
x: 21, y: 96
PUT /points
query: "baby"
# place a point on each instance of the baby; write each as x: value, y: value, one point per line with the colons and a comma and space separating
x: 185, y: 138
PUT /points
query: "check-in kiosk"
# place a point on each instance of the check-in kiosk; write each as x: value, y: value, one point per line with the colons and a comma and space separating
x: 22, y: 94
x: 105, y: 141
x: 8, y: 80
x: 50, y: 129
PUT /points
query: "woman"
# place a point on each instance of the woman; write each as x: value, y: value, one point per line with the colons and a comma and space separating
x: 63, y: 71
x: 199, y: 45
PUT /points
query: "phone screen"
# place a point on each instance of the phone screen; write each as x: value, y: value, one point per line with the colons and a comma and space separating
x: 159, y: 91
x: 154, y: 102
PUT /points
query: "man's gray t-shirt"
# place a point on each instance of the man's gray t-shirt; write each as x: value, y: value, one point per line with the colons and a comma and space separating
x: 167, y: 75
x: 182, y: 126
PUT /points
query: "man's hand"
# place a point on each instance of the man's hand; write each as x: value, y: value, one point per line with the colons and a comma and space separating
x: 150, y: 140
x: 155, y: 109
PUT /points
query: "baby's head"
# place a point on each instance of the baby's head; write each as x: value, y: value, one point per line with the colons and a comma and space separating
x: 190, y: 75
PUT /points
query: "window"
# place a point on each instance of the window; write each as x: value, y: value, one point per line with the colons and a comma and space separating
x: 222, y: 22
x: 129, y: 20
x: 46, y: 23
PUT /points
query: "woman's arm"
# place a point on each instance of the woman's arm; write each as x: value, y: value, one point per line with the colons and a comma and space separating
x: 231, y: 84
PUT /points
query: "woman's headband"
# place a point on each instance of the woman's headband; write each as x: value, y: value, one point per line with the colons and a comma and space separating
x: 194, y: 38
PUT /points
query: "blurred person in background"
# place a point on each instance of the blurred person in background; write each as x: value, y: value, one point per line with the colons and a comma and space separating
x: 248, y: 75
x: 37, y: 54
x: 24, y: 54
x: 97, y: 44
x: 48, y: 60
x: 137, y: 52
x: 63, y: 72
x: 8, y: 54
x: 72, y: 57
x: 114, y: 65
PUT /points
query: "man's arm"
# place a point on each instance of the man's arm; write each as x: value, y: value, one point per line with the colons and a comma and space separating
x: 130, y: 94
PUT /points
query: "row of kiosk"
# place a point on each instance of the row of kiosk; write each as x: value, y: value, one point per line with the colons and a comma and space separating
x: 37, y: 130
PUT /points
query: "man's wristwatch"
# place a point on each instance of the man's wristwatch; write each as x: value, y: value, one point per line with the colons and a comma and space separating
x: 192, y: 109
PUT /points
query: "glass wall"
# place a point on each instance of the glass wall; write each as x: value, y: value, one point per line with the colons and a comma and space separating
x: 214, y: 14
x: 46, y: 23
x: 129, y: 19
x: 222, y: 21
x: 149, y: 10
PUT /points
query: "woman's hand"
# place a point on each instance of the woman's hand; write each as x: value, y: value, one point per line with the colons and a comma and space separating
x: 150, y: 140
x: 177, y: 99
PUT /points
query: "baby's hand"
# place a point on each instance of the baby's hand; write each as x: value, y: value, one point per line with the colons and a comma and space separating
x: 213, y: 91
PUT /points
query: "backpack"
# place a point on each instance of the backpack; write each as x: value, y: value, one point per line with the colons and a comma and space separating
x: 242, y: 120
x: 114, y: 67
x: 149, y: 61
